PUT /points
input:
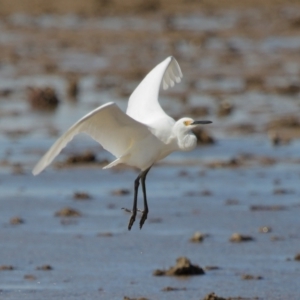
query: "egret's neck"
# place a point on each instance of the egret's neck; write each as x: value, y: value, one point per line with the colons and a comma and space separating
x: 187, y: 141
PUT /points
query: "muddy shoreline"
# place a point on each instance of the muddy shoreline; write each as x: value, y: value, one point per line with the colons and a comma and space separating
x: 64, y: 234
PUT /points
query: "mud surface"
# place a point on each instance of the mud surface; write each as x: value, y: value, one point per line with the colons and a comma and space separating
x: 64, y: 234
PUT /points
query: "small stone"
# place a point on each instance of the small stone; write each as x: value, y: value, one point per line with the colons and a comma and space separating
x: 265, y: 229
x: 105, y: 234
x: 213, y: 296
x: 211, y: 268
x: 183, y: 267
x: 72, y: 87
x: 276, y: 238
x: 68, y: 212
x: 42, y: 98
x: 6, y: 268
x: 232, y: 201
x: 238, y: 238
x: 86, y: 157
x: 29, y: 277
x: 81, y: 196
x: 206, y: 193
x: 16, y: 221
x: 128, y: 298
x: 44, y: 268
x: 171, y: 289
x: 297, y: 257
x: 251, y: 277
x: 225, y: 109
x: 203, y: 138
x: 121, y: 192
x: 282, y: 191
x: 267, y: 207
x: 198, y: 237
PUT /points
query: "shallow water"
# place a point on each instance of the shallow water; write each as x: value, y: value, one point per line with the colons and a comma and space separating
x: 122, y: 264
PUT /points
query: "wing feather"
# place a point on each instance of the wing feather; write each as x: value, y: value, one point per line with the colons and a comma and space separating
x: 108, y: 125
x: 143, y: 104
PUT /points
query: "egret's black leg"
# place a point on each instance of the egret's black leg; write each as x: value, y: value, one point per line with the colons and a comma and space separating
x: 146, y: 210
x: 134, y: 208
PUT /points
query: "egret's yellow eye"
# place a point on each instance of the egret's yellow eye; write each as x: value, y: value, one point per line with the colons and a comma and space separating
x: 187, y: 123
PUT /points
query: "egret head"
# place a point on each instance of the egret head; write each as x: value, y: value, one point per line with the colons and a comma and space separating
x: 187, y: 124
x: 183, y: 131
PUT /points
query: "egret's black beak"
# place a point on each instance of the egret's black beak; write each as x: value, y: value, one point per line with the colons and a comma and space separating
x: 201, y: 122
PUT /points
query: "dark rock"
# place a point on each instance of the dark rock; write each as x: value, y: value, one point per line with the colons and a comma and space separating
x: 44, y: 268
x: 183, y: 267
x: 6, y: 268
x: 213, y: 296
x: 81, y: 196
x: 198, y: 237
x: 238, y: 238
x: 67, y: 212
x: 42, y: 98
x: 16, y: 221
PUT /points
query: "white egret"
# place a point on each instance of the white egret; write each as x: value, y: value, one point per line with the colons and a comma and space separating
x: 140, y: 137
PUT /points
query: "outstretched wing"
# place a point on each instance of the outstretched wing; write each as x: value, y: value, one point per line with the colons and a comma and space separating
x: 143, y: 104
x: 108, y: 125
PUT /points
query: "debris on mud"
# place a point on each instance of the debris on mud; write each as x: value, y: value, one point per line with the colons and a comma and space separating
x: 260, y: 207
x: 42, y: 98
x: 276, y: 238
x: 203, y: 138
x: 231, y: 163
x: 120, y: 192
x: 183, y: 267
x: 264, y: 229
x: 44, y: 268
x: 72, y: 87
x: 68, y: 212
x: 82, y: 196
x: 282, y: 130
x: 198, y: 237
x: 254, y: 81
x: 86, y: 157
x: 155, y: 220
x: 213, y: 296
x: 232, y: 201
x: 242, y: 129
x: 289, y: 89
x: 266, y: 161
x: 278, y: 139
x: 29, y: 277
x: 251, y: 277
x: 18, y: 169
x: 297, y: 257
x: 6, y: 268
x: 211, y: 268
x: 238, y: 238
x: 289, y: 121
x: 206, y: 193
x: 128, y: 298
x: 225, y: 108
x: 105, y: 234
x: 282, y: 191
x: 172, y: 289
x: 5, y: 92
x: 16, y: 221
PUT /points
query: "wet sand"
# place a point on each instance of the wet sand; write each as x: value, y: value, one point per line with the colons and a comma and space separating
x: 64, y: 234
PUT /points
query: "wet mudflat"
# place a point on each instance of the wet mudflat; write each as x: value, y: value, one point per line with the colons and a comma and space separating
x: 92, y: 255
x: 64, y: 234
